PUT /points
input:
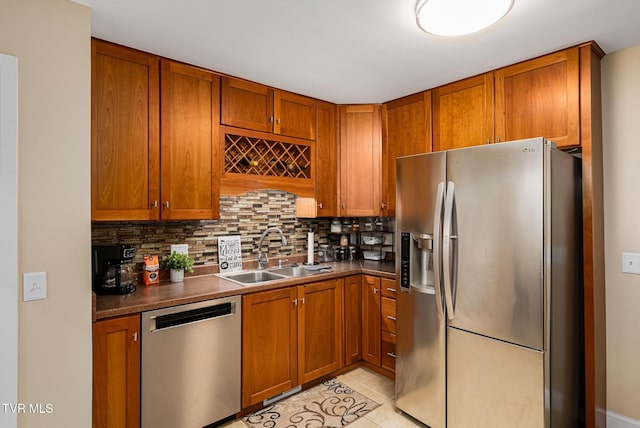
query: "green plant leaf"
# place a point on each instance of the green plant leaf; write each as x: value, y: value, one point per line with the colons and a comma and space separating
x: 178, y: 262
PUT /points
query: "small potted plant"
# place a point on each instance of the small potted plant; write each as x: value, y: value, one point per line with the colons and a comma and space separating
x: 177, y: 263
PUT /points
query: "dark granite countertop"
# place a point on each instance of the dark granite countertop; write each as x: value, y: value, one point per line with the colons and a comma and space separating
x: 206, y: 287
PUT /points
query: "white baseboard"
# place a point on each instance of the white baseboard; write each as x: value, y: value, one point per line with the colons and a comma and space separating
x: 615, y: 420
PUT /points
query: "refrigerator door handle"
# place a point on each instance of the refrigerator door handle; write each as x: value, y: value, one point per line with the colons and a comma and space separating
x: 437, y: 230
x: 446, y: 249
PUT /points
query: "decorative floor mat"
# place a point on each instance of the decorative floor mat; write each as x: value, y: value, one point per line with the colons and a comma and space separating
x: 330, y: 404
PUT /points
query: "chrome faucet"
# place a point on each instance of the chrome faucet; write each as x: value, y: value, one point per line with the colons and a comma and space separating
x: 262, y: 257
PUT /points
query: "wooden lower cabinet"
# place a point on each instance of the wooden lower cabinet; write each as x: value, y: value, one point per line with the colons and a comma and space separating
x: 319, y: 329
x: 353, y: 319
x: 379, y: 321
x: 388, y: 320
x: 290, y: 336
x: 116, y: 372
x: 371, y: 319
x: 269, y: 344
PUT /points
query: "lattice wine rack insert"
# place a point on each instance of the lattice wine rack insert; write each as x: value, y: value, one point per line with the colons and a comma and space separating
x: 257, y: 156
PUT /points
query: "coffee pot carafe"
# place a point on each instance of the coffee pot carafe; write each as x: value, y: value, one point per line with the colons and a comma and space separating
x: 113, y: 269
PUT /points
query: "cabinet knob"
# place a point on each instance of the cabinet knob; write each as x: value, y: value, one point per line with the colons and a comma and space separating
x: 295, y: 302
x: 488, y: 141
x: 320, y: 205
x: 135, y: 336
x: 383, y: 205
x: 166, y: 204
x: 344, y: 205
x: 270, y: 119
x: 155, y: 204
x: 375, y: 291
x: 278, y: 121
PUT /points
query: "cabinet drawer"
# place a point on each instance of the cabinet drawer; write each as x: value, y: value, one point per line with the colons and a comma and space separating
x: 388, y: 312
x: 388, y: 288
x: 388, y: 351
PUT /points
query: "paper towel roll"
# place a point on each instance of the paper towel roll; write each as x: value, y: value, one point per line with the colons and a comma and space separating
x: 310, y: 247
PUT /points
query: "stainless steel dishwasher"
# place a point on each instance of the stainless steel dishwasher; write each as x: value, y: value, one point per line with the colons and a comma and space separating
x: 191, y: 364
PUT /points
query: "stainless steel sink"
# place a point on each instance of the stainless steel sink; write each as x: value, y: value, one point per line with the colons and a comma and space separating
x: 292, y: 271
x: 258, y: 276
x: 252, y: 277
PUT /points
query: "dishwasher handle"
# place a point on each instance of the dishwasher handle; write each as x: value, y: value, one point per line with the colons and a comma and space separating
x: 177, y: 319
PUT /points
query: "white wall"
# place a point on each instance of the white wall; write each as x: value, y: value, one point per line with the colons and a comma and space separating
x: 9, y: 234
x: 51, y: 39
x: 621, y: 143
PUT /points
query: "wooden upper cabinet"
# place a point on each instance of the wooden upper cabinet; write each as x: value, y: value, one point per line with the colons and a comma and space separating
x: 246, y: 105
x: 190, y: 142
x: 257, y: 107
x: 124, y: 133
x: 116, y: 372
x: 406, y: 131
x: 360, y: 160
x: 294, y: 115
x: 320, y: 342
x: 327, y: 161
x: 463, y: 113
x: 538, y: 98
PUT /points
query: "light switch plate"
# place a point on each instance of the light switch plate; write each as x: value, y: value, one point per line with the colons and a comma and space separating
x: 34, y: 286
x: 180, y: 248
x: 631, y: 263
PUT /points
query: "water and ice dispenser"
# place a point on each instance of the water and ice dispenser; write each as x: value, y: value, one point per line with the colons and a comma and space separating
x: 416, y: 261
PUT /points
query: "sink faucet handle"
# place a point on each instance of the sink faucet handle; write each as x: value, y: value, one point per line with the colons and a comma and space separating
x: 281, y: 262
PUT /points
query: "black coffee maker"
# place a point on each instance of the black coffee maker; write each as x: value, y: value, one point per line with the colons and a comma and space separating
x: 113, y: 269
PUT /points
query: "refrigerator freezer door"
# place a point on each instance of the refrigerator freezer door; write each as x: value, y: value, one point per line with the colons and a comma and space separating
x: 493, y: 384
x: 497, y: 256
x: 421, y: 358
x: 421, y: 326
x: 417, y: 180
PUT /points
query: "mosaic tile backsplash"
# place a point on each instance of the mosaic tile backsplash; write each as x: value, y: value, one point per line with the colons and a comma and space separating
x: 247, y: 215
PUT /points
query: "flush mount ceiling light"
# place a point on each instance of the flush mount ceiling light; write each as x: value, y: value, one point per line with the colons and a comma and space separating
x: 459, y: 17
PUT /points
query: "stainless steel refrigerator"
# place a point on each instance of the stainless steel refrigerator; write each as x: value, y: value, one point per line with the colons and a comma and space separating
x: 489, y: 315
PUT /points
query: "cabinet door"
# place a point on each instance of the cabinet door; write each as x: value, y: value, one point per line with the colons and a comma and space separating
x: 463, y: 113
x: 294, y: 115
x: 371, y: 327
x: 125, y: 144
x: 116, y: 373
x: 327, y: 146
x: 269, y: 344
x: 388, y: 319
x: 353, y: 319
x: 190, y: 142
x: 540, y: 98
x: 407, y: 131
x: 360, y: 163
x: 246, y: 105
x: 319, y: 329
x: 388, y: 351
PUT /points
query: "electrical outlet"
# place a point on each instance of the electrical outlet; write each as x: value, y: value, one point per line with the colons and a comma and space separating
x: 180, y: 248
x: 631, y: 263
x: 34, y: 286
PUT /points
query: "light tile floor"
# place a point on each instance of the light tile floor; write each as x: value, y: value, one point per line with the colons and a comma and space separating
x: 378, y: 388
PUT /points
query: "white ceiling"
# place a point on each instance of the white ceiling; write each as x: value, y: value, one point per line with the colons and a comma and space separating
x: 353, y: 51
